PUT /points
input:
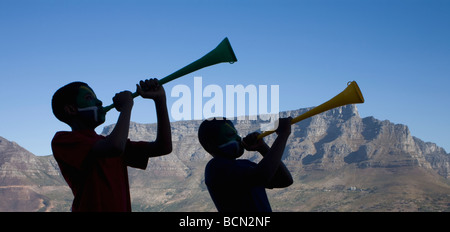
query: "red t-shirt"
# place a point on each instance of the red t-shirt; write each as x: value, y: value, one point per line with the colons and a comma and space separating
x: 97, y: 183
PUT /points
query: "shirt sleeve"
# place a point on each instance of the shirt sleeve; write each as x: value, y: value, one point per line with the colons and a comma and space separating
x: 72, y: 148
x: 136, y: 155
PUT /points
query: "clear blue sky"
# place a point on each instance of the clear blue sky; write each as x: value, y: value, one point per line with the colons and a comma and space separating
x: 397, y: 51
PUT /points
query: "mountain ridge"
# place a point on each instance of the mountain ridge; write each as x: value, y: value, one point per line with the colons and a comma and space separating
x: 339, y: 161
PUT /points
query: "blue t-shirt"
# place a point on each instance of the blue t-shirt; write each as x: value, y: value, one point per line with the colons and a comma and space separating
x: 232, y: 186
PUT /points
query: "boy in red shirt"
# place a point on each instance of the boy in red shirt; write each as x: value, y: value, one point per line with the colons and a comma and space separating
x: 95, y: 166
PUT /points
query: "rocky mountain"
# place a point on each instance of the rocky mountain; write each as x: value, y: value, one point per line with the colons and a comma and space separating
x: 29, y: 182
x: 339, y: 161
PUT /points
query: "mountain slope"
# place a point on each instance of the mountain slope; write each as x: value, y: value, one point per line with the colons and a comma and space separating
x: 29, y: 182
x: 339, y: 161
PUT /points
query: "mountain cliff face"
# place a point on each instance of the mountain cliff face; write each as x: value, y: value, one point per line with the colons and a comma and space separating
x: 340, y: 137
x: 328, y: 141
x: 339, y: 161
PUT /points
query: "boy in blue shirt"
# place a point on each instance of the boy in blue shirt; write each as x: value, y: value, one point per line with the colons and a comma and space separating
x: 238, y: 185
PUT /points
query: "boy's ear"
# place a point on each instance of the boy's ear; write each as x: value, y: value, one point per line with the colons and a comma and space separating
x: 70, y: 110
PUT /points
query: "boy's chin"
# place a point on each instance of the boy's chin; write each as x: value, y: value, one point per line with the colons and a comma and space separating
x: 94, y: 123
x: 234, y: 155
x: 93, y: 116
x: 101, y: 120
x: 98, y: 124
x: 241, y: 152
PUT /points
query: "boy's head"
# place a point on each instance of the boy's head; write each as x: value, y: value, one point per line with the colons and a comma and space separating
x: 77, y: 102
x: 219, y: 137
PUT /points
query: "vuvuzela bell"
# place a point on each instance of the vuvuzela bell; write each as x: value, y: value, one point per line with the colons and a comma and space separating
x: 222, y: 53
x: 351, y: 95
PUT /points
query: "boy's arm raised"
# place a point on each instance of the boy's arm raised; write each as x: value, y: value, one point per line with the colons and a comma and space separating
x: 114, y: 144
x: 271, y: 171
x: 150, y: 89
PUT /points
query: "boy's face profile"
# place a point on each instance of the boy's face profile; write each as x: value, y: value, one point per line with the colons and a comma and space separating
x: 230, y: 142
x: 89, y: 107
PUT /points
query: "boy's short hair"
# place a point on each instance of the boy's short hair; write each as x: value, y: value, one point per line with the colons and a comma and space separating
x: 66, y: 95
x: 208, y: 133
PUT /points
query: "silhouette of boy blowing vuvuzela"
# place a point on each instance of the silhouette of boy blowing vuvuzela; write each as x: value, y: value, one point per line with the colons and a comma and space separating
x: 238, y: 185
x: 95, y: 166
